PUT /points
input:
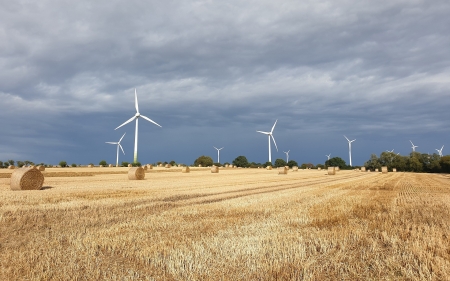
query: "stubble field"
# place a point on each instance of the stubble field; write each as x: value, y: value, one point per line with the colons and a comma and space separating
x: 240, y: 224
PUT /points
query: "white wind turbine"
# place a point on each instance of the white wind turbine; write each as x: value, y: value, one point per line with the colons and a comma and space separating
x: 269, y: 134
x: 118, y: 145
x: 440, y: 151
x: 287, y: 155
x: 391, y: 151
x: 218, y: 153
x: 350, y: 149
x: 328, y: 156
x: 136, y: 117
x: 413, y: 146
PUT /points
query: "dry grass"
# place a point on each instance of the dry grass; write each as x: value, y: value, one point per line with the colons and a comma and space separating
x: 246, y: 224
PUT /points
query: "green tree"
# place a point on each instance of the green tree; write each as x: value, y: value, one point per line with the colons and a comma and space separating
x: 103, y: 163
x: 373, y: 163
x: 74, y: 165
x: 280, y: 163
x: 267, y: 164
x: 445, y: 163
x: 63, y: 164
x: 124, y: 164
x: 336, y: 162
x: 241, y: 161
x: 11, y: 162
x: 173, y: 163
x: 1, y: 164
x: 414, y: 164
x: 203, y: 160
x: 292, y: 163
x: 20, y: 164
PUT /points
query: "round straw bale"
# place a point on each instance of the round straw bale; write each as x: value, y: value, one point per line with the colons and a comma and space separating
x: 269, y: 167
x: 337, y: 169
x: 41, y: 168
x: 145, y: 168
x: 136, y: 173
x: 90, y: 166
x: 384, y: 170
x: 26, y: 179
x: 149, y: 166
x: 394, y: 170
x: 331, y: 170
x: 110, y: 165
x: 11, y: 167
x: 319, y: 169
x: 185, y: 170
x: 130, y: 165
x: 199, y: 165
x: 363, y: 169
x: 214, y: 169
x: 168, y: 166
x: 376, y: 170
x: 295, y: 168
x: 283, y: 170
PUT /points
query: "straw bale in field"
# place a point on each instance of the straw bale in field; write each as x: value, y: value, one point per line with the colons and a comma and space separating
x: 384, y: 170
x: 41, y: 168
x: 26, y: 179
x: 11, y: 167
x: 331, y: 170
x: 185, y: 169
x: 319, y: 169
x: 363, y: 169
x: 269, y: 167
x: 394, y: 170
x: 149, y: 166
x: 90, y: 166
x: 214, y: 169
x: 376, y: 170
x: 168, y: 166
x: 145, y: 168
x: 283, y: 170
x: 110, y: 165
x: 295, y: 168
x: 337, y: 169
x: 136, y: 173
x: 130, y: 165
x: 199, y: 165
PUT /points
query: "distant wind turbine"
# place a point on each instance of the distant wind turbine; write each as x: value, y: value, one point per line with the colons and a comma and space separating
x: 328, y: 156
x: 413, y: 146
x: 440, y: 151
x: 287, y: 155
x: 136, y: 117
x: 118, y: 145
x: 218, y: 153
x: 350, y: 149
x: 391, y: 151
x: 269, y: 134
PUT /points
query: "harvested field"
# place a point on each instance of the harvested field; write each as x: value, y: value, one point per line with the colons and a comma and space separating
x: 240, y: 224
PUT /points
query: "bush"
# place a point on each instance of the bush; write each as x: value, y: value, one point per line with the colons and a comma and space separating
x: 204, y: 161
x: 74, y: 165
x: 63, y: 164
x: 241, y: 161
x: 292, y: 163
x: 103, y: 163
x: 124, y: 164
x: 218, y: 164
x: 280, y: 163
x: 267, y: 164
x: 136, y: 164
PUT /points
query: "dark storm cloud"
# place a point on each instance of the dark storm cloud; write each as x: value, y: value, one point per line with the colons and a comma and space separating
x: 353, y: 67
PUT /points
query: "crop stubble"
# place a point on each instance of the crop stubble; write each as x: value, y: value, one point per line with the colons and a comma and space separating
x: 239, y: 224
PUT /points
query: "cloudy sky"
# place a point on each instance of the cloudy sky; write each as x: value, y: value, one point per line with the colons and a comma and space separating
x: 212, y: 73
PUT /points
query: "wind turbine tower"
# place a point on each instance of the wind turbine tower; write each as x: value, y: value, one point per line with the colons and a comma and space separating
x: 350, y: 149
x: 136, y: 117
x: 413, y: 146
x: 218, y: 153
x: 270, y: 135
x: 118, y: 145
x: 287, y: 155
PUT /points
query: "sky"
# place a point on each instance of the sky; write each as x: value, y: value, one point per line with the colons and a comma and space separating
x: 212, y: 73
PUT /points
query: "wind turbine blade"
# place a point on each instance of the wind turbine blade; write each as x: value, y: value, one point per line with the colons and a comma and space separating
x: 122, y: 137
x: 215, y: 147
x: 411, y: 142
x: 274, y: 126
x: 221, y: 148
x: 442, y: 148
x: 136, y: 101
x: 126, y: 122
x: 346, y: 138
x: 150, y: 120
x: 274, y: 142
x: 265, y: 133
x: 353, y: 140
x: 111, y: 142
x: 122, y: 149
